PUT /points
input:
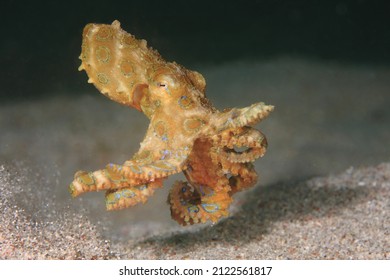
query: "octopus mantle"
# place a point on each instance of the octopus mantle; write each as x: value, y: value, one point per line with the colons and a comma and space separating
x: 186, y: 133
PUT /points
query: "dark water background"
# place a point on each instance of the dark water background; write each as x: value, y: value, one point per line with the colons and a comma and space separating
x: 40, y: 40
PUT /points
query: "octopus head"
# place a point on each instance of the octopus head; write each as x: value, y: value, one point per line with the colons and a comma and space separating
x: 127, y: 71
x: 168, y: 86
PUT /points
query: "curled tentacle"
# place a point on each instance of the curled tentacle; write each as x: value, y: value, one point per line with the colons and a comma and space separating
x: 191, y: 204
x: 237, y: 165
x: 244, y: 178
x: 248, y: 137
x: 240, y: 175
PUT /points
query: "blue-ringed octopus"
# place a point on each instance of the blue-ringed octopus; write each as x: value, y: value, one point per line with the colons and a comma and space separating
x: 214, y: 149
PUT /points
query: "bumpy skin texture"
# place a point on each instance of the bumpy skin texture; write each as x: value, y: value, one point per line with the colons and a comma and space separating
x: 186, y: 133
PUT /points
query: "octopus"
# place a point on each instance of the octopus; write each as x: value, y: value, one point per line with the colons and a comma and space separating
x: 214, y: 149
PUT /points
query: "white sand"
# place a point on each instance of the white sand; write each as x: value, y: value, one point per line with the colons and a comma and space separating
x: 328, y: 117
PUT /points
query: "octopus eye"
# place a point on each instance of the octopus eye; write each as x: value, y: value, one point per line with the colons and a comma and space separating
x: 183, y: 189
x: 162, y: 85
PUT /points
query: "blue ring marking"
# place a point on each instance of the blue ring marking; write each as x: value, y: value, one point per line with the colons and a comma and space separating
x: 184, y: 98
x: 171, y: 167
x: 193, y: 209
x: 206, y: 191
x: 127, y: 193
x: 210, y: 207
x: 90, y: 174
x: 165, y: 153
x: 201, y: 190
x: 142, y: 187
x: 114, y: 180
x: 136, y: 169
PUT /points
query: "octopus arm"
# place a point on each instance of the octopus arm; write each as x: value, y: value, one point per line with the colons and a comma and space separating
x: 195, y: 203
x: 160, y: 155
x: 129, y: 196
x: 248, y: 116
x: 121, y: 192
x: 244, y: 137
x: 100, y: 180
x: 157, y: 158
x: 206, y: 194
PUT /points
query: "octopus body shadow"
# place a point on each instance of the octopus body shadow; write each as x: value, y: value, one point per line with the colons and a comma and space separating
x: 264, y: 206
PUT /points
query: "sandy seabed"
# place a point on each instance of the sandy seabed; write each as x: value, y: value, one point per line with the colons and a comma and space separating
x: 329, y: 119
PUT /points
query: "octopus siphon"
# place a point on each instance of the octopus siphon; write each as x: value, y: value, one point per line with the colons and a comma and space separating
x: 214, y: 149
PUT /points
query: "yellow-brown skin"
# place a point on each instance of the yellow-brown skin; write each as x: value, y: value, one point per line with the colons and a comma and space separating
x: 186, y: 133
